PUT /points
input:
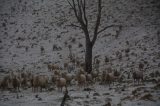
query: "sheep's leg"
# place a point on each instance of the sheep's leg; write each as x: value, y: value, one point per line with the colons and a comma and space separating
x: 61, y: 89
x: 46, y: 88
x: 18, y: 89
x: 36, y: 89
x: 142, y: 81
x: 33, y: 89
x: 84, y: 84
x: 109, y: 84
x: 134, y: 82
x: 95, y: 80
x: 79, y: 86
x: 138, y: 80
x: 70, y: 83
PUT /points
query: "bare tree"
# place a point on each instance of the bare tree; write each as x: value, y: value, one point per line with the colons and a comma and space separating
x: 79, y: 8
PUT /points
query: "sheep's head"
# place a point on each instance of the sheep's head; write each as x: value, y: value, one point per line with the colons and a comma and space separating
x: 57, y: 72
x: 63, y: 74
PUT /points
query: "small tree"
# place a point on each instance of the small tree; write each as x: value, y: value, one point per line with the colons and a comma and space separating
x: 79, y: 8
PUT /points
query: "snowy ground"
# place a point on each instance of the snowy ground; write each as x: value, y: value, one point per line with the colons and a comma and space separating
x: 125, y: 94
x: 28, y: 25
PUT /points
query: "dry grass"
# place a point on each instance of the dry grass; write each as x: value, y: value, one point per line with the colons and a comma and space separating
x: 157, y: 87
x: 147, y: 97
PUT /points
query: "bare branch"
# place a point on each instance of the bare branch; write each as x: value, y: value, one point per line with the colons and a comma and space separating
x: 97, y: 22
x: 70, y: 4
x: 80, y: 10
x: 107, y: 28
x: 75, y: 10
x: 84, y: 12
x: 80, y: 13
x: 73, y: 25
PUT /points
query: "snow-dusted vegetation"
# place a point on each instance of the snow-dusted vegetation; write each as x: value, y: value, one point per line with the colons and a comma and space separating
x: 38, y: 40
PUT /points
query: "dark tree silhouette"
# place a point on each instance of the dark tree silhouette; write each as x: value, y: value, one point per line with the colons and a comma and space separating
x: 79, y: 8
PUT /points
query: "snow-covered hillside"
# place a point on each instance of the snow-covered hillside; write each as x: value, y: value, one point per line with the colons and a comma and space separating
x: 29, y: 26
x: 26, y: 26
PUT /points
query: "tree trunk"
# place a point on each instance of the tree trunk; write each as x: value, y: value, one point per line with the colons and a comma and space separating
x: 88, y: 57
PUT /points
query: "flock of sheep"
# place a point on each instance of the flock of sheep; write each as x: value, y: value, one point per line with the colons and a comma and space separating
x: 61, y: 79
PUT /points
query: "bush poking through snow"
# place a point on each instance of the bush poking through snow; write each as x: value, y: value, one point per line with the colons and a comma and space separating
x: 147, y: 97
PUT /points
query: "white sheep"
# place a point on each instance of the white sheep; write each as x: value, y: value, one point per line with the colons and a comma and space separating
x: 81, y: 79
x: 108, y: 78
x: 35, y: 83
x: 89, y: 79
x: 16, y: 83
x: 95, y: 75
x: 61, y: 82
x: 43, y: 82
x: 54, y: 78
x: 68, y: 77
x: 53, y: 67
x: 57, y: 72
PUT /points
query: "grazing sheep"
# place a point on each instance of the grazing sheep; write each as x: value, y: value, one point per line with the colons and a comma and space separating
x: 89, y: 79
x: 24, y: 75
x: 29, y: 74
x: 5, y: 82
x: 82, y: 65
x: 49, y: 67
x: 35, y: 83
x: 137, y: 76
x: 53, y: 67
x: 54, y: 78
x: 117, y: 75
x: 109, y: 78
x: 43, y: 82
x: 16, y: 83
x: 81, y: 71
x: 57, y: 72
x: 94, y: 74
x: 65, y: 65
x: 25, y: 78
x: 61, y: 82
x: 24, y: 82
x: 68, y: 77
x: 81, y: 78
x: 40, y: 81
x: 71, y: 67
